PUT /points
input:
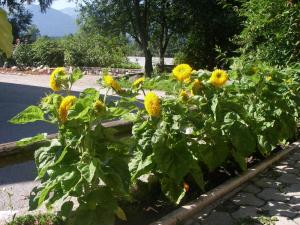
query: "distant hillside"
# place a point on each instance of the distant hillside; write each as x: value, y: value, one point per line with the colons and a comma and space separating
x: 53, y: 23
x: 70, y: 11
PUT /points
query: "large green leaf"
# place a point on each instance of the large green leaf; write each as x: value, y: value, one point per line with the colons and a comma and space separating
x: 117, y: 175
x: 139, y: 166
x: 87, y: 216
x: 69, y: 179
x: 6, y: 37
x: 76, y: 75
x: 31, y: 140
x: 214, y: 155
x: 242, y: 138
x: 88, y: 171
x: 175, y: 162
x: 240, y: 160
x: 29, y: 115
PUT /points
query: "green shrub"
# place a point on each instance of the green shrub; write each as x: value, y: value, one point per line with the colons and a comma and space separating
x: 94, y: 50
x: 48, y: 52
x: 36, y: 220
x: 23, y: 55
x: 271, y: 31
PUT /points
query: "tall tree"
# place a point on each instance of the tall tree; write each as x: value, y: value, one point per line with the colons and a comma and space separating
x: 271, y: 31
x: 11, y: 4
x: 115, y: 17
x: 168, y: 20
x: 211, y: 25
x: 20, y: 19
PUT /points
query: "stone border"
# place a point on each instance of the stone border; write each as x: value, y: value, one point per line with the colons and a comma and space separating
x: 193, y: 208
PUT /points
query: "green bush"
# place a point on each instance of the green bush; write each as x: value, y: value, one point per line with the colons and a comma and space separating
x: 23, y: 55
x: 94, y: 50
x: 48, y: 52
x: 271, y: 31
x: 36, y: 220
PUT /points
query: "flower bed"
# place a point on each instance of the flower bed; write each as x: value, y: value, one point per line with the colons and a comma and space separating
x: 212, y: 121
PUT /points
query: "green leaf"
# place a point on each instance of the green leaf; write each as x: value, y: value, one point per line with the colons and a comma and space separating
x: 99, y: 215
x: 102, y: 197
x: 76, y: 75
x: 6, y: 37
x: 29, y: 115
x: 175, y: 162
x: 242, y: 139
x: 90, y: 93
x: 31, y: 140
x: 214, y: 155
x: 198, y: 176
x: 117, y: 175
x: 69, y: 179
x: 121, y: 214
x: 139, y: 166
x: 66, y: 209
x: 240, y: 159
x: 263, y: 145
x: 88, y: 171
x: 174, y: 191
x: 45, y: 192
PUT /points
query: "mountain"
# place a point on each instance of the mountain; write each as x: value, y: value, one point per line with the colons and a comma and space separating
x: 53, y: 23
x: 70, y: 11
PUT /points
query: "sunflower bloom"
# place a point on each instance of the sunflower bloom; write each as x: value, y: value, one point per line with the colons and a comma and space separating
x: 58, y: 72
x: 184, y: 95
x: 110, y: 82
x: 196, y: 87
x: 268, y: 78
x: 138, y: 82
x: 218, y: 78
x: 152, y: 104
x: 99, y: 106
x: 182, y: 72
x: 64, y: 107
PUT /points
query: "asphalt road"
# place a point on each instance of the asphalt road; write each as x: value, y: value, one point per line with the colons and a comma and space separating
x: 13, y: 99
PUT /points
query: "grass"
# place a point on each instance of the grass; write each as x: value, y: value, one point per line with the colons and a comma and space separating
x: 42, y: 219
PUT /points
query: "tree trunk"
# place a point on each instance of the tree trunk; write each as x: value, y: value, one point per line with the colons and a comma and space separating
x: 148, y: 63
x: 161, y: 61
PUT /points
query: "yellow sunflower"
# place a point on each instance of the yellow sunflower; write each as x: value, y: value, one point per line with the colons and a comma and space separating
x: 138, y: 82
x: 64, y: 107
x: 99, y: 106
x: 196, y: 87
x: 218, y: 78
x: 182, y: 72
x: 268, y: 78
x: 152, y: 104
x: 110, y: 82
x: 184, y: 95
x: 58, y: 72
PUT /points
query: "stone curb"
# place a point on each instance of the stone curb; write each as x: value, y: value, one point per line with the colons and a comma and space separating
x: 193, y: 208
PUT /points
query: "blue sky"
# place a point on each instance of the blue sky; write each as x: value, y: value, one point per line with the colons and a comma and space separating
x: 60, y: 4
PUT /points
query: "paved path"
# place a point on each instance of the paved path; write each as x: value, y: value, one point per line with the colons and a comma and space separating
x: 271, y: 198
